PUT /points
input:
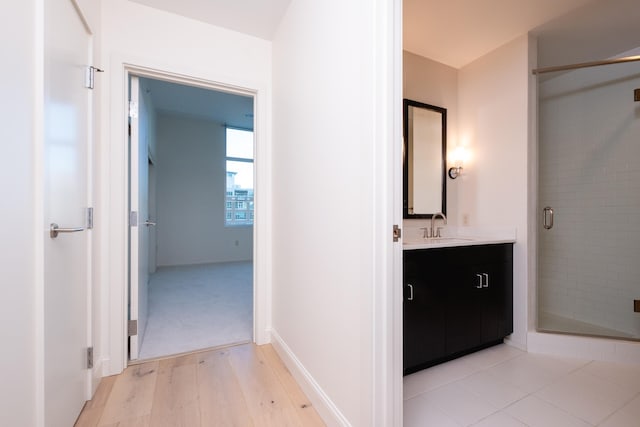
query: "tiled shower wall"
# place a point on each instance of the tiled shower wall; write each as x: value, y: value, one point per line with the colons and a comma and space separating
x: 589, y: 156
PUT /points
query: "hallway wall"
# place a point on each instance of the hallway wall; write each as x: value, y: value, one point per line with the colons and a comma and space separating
x: 330, y: 187
x: 18, y: 176
x: 150, y: 39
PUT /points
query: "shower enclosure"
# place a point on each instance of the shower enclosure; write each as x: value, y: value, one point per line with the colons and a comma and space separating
x: 589, y: 201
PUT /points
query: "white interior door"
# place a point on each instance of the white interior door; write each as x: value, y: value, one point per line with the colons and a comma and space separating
x: 67, y: 255
x: 139, y: 231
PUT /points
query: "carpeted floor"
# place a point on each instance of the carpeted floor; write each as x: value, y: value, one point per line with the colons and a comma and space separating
x: 199, y: 306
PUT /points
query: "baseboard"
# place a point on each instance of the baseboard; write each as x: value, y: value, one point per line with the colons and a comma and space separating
x: 582, y: 347
x: 325, y: 407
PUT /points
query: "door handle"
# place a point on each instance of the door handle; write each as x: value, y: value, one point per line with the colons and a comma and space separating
x: 149, y: 223
x: 479, y: 285
x: 547, y: 218
x: 410, y: 292
x: 486, y: 279
x: 54, y: 229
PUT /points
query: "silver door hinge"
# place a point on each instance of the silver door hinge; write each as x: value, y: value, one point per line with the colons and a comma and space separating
x: 133, y: 218
x: 133, y: 109
x: 90, y: 358
x: 89, y: 218
x: 132, y: 328
x: 90, y: 76
x: 397, y: 232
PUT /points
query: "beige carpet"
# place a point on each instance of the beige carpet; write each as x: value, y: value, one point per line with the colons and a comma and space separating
x: 199, y: 306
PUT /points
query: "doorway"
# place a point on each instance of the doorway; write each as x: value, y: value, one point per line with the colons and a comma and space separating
x: 191, y: 234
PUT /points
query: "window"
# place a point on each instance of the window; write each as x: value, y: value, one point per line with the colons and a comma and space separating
x: 239, y: 182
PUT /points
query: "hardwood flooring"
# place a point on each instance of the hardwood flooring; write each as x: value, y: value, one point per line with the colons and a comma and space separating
x: 245, y: 385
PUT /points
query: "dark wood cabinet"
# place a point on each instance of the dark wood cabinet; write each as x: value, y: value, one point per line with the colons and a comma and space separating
x: 456, y: 300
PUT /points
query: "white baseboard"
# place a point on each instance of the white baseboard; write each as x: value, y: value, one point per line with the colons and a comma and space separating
x: 325, y: 407
x: 579, y: 347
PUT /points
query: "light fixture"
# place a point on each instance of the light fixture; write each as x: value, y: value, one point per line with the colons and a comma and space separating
x: 459, y: 156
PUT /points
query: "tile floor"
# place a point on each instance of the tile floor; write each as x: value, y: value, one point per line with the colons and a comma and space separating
x: 505, y: 387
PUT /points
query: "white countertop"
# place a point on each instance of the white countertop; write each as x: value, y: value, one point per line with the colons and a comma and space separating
x: 457, y: 236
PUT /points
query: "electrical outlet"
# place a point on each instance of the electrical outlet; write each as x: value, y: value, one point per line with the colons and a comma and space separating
x: 237, y: 243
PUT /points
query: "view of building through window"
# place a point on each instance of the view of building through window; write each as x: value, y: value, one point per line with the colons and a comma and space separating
x: 239, y: 192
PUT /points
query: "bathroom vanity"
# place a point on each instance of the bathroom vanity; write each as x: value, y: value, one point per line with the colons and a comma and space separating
x: 458, y: 298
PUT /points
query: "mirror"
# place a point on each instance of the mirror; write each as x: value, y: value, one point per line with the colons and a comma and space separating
x: 424, y: 160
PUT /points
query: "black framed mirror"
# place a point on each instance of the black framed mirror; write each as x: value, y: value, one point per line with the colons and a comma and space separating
x: 424, y: 160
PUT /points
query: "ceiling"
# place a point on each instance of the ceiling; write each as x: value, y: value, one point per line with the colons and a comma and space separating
x: 456, y: 32
x: 453, y: 32
x: 231, y: 109
x: 258, y: 18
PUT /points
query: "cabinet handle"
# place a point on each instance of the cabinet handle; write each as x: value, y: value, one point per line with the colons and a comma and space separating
x: 479, y: 285
x: 486, y: 280
x: 410, y: 292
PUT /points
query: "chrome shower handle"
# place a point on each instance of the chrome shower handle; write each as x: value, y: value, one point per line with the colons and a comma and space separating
x: 547, y: 218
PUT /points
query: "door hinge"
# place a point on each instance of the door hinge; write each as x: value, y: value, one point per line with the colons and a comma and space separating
x: 132, y: 328
x: 89, y: 218
x: 89, y: 357
x: 397, y: 232
x: 90, y: 76
x: 133, y: 219
x: 133, y: 109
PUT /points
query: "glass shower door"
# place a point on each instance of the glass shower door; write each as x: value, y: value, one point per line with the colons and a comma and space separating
x: 589, y: 202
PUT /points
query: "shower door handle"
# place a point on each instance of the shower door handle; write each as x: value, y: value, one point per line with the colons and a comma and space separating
x: 547, y: 218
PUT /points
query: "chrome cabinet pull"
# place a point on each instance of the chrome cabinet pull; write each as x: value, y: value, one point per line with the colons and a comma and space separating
x: 410, y: 292
x: 54, y: 229
x: 547, y: 218
x: 479, y: 285
x: 486, y: 280
x: 149, y: 223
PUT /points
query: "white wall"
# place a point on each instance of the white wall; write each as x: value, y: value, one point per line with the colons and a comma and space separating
x: 493, y: 123
x: 328, y: 196
x: 18, y: 214
x: 431, y: 82
x: 146, y: 39
x: 191, y: 171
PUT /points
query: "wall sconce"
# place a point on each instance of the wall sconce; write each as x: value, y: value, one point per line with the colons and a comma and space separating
x: 459, y: 156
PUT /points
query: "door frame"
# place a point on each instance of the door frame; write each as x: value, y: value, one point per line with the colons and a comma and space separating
x: 118, y: 154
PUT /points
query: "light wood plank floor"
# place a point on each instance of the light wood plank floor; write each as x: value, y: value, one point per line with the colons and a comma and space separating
x: 245, y: 385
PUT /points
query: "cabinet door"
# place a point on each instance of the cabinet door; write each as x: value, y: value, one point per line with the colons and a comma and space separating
x: 479, y: 306
x: 424, y: 311
x: 464, y: 310
x: 497, y: 312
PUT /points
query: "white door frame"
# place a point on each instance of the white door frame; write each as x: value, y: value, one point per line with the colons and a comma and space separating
x: 387, y: 334
x: 118, y: 209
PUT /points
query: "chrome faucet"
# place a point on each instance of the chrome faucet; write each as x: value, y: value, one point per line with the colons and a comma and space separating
x: 436, y: 232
